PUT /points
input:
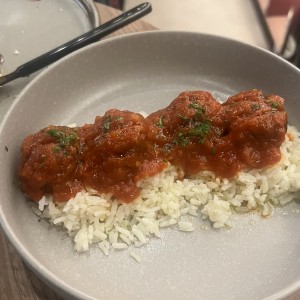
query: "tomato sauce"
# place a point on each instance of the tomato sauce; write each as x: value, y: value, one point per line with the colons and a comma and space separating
x: 195, y: 133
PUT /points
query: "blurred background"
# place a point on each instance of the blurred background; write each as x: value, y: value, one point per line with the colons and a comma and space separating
x: 270, y: 24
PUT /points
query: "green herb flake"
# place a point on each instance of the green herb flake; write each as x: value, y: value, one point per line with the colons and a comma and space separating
x: 55, y: 133
x: 255, y: 106
x: 56, y: 149
x: 106, y: 124
x: 200, y: 129
x: 118, y: 118
x: 181, y: 140
x: 274, y: 105
x: 62, y: 138
x: 67, y: 140
x: 183, y: 117
x: 160, y: 123
x: 199, y: 108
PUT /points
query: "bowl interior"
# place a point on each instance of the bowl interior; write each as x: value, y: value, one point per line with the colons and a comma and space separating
x: 144, y: 72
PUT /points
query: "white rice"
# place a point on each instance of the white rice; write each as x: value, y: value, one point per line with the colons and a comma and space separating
x: 166, y: 201
x: 135, y: 256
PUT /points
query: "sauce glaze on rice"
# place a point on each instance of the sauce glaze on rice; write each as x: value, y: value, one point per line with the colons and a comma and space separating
x: 165, y: 201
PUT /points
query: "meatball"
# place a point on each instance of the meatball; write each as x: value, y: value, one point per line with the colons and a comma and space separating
x: 48, y: 157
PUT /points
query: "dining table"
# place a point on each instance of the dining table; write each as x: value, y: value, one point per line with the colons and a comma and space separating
x: 17, y: 280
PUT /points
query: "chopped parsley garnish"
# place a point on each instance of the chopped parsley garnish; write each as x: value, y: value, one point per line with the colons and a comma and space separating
x: 182, y: 140
x: 273, y: 104
x: 199, y: 108
x: 56, y: 149
x: 119, y: 118
x: 255, y: 106
x: 62, y: 138
x: 107, y: 121
x: 160, y: 123
x: 197, y: 129
x: 185, y: 118
x: 200, y: 129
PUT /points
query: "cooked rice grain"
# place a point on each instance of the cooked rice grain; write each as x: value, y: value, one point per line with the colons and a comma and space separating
x: 166, y: 201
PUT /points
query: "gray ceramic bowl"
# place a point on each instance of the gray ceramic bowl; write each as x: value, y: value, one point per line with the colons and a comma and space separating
x: 259, y: 258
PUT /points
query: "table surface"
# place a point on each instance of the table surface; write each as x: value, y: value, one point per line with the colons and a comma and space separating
x: 17, y: 281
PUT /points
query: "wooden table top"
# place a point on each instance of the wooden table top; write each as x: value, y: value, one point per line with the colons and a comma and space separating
x: 17, y: 281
